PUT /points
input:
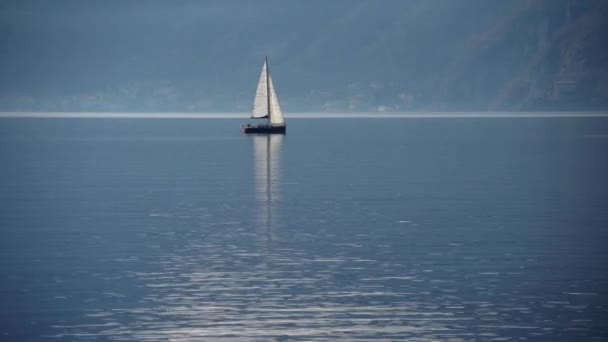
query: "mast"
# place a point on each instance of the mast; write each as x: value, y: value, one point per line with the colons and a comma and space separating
x: 267, y: 91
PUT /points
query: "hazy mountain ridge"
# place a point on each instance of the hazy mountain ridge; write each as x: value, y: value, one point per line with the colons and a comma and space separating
x: 326, y: 56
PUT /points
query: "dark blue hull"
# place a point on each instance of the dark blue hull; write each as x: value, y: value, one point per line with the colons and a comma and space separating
x: 263, y: 129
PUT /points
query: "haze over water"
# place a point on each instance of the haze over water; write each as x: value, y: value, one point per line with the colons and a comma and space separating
x: 460, y: 229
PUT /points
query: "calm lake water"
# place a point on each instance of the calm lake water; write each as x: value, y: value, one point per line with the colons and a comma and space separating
x: 460, y: 229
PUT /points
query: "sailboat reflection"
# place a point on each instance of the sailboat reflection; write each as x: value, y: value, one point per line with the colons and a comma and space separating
x: 267, y: 173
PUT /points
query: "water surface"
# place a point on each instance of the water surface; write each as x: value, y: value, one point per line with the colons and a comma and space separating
x: 458, y: 229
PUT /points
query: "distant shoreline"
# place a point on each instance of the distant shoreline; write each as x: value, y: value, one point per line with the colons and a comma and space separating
x: 245, y: 116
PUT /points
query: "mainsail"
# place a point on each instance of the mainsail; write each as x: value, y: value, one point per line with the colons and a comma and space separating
x: 260, y: 103
x: 276, y: 116
x: 266, y: 102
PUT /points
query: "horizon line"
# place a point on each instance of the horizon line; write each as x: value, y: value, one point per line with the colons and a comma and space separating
x: 302, y: 115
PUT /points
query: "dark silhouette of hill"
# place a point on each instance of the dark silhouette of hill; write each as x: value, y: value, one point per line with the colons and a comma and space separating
x: 341, y: 55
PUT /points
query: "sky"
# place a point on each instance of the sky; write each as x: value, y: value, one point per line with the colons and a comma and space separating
x: 340, y: 55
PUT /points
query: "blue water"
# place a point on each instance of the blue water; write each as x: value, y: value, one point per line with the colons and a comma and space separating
x: 460, y: 229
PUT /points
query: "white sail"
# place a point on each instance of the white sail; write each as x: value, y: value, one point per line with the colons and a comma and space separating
x: 275, y: 116
x: 266, y: 102
x: 260, y: 103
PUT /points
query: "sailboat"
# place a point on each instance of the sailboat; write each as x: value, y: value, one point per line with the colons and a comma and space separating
x: 266, y: 106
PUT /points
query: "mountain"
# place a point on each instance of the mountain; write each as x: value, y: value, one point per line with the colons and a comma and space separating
x: 340, y: 55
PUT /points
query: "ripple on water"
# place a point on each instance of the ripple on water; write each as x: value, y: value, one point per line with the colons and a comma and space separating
x: 228, y: 281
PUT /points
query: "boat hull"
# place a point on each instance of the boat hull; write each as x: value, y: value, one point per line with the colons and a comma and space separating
x: 263, y: 129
